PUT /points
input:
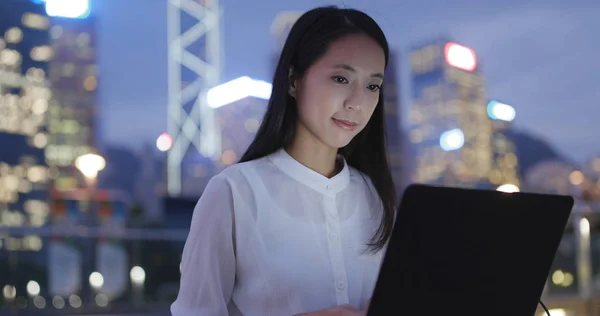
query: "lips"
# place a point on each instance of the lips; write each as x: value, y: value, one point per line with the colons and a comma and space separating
x: 345, y: 124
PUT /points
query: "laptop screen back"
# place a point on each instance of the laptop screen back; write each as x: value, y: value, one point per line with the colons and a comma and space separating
x: 469, y: 252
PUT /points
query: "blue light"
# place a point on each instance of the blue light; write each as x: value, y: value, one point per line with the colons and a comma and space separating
x: 72, y: 9
x: 452, y: 140
x: 500, y: 111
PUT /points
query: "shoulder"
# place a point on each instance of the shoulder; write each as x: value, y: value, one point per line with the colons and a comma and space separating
x: 240, y: 171
x: 238, y: 178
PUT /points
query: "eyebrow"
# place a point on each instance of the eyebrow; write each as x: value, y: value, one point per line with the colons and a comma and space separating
x: 350, y: 68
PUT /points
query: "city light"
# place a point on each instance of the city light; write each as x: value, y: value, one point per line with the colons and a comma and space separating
x: 562, y: 278
x: 33, y: 288
x: 9, y: 292
x: 576, y: 177
x: 90, y: 164
x: 72, y: 9
x: 452, y: 140
x: 508, y: 188
x: 501, y: 111
x: 75, y: 301
x: 96, y: 280
x: 137, y: 275
x: 164, y: 142
x: 558, y: 312
x: 58, y: 302
x: 584, y: 227
x: 460, y: 57
x: 238, y: 89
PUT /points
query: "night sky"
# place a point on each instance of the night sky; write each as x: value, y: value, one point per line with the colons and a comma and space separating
x: 541, y: 56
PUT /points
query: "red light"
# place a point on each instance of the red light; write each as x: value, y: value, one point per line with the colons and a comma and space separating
x: 460, y: 57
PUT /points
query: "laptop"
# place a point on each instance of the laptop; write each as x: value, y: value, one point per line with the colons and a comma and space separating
x: 469, y: 252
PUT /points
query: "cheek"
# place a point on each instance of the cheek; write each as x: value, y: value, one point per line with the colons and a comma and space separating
x: 316, y: 104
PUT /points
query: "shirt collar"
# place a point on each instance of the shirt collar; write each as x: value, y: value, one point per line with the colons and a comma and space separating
x: 309, y: 177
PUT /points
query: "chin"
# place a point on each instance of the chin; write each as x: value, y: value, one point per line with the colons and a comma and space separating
x: 339, y: 143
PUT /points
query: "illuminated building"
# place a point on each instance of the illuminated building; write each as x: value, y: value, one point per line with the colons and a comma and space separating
x: 240, y: 106
x: 505, y: 169
x: 24, y: 95
x: 72, y: 73
x: 449, y: 125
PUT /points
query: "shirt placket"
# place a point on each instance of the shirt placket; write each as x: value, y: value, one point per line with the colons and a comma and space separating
x: 336, y: 253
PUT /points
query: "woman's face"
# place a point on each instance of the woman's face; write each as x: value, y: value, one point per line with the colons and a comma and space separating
x: 339, y: 92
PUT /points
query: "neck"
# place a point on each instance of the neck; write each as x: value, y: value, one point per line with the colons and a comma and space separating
x: 314, y: 154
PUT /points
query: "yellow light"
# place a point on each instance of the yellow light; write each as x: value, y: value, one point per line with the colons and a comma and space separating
x: 228, y: 157
x: 558, y: 277
x: 568, y: 280
x: 90, y: 164
x: 557, y: 312
x: 42, y: 53
x: 90, y: 83
x: 576, y: 177
x: 13, y: 35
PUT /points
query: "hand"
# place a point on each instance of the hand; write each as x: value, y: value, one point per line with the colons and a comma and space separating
x: 342, y: 310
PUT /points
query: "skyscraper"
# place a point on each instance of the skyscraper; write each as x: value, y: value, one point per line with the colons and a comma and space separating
x: 504, y: 174
x: 24, y: 95
x: 24, y: 176
x: 73, y: 77
x: 449, y: 126
x: 239, y: 105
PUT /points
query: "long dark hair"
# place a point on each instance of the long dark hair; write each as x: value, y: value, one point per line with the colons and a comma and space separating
x: 307, y: 42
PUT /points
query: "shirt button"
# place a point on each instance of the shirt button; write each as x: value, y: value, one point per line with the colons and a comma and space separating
x: 328, y: 187
x: 341, y: 285
x: 333, y: 236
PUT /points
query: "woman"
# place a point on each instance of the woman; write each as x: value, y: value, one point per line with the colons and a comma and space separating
x: 298, y: 227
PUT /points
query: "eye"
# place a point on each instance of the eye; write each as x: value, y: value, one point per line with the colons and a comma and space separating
x: 374, y: 87
x: 339, y: 79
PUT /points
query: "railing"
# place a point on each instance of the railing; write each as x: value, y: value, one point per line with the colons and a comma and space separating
x: 137, y: 270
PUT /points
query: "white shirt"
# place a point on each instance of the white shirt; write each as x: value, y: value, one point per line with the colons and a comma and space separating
x: 271, y: 237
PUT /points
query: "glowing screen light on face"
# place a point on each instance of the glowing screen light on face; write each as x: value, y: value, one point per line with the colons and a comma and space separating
x: 452, y: 140
x: 500, y: 111
x: 72, y: 9
x: 460, y: 57
x: 238, y: 89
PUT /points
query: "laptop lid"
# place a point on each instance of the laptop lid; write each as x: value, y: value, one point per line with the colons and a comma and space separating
x: 469, y: 252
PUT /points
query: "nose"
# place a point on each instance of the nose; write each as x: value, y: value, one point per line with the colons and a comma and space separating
x: 354, y: 100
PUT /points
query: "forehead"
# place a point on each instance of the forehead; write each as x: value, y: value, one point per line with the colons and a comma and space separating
x: 358, y: 51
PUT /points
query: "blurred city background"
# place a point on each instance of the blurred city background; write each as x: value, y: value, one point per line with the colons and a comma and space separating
x: 115, y: 113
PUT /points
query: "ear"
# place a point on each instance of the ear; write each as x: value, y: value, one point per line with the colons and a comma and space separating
x: 292, y: 81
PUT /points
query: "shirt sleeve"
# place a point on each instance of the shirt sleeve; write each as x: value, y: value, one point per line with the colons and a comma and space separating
x: 208, y: 261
